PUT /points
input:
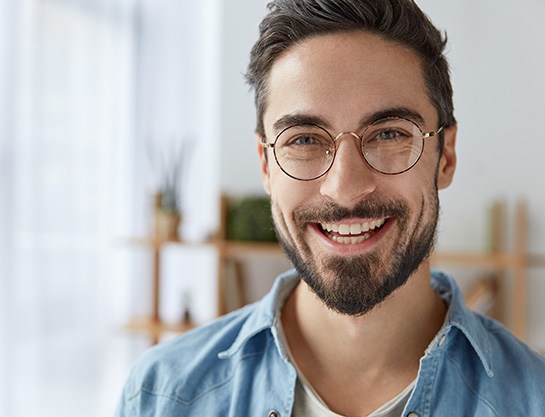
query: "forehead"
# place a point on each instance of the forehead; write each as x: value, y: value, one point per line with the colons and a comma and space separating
x: 344, y: 78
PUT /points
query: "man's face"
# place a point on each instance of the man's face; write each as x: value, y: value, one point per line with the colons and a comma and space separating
x: 345, y: 81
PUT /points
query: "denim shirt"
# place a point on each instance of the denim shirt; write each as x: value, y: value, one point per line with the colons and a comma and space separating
x: 237, y: 366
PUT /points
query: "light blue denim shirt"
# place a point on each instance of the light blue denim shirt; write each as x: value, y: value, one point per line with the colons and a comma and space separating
x: 237, y: 366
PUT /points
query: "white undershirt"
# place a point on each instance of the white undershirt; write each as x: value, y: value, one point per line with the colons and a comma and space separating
x: 308, y: 403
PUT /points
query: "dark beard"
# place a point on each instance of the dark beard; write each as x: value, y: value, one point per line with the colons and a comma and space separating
x: 362, y: 282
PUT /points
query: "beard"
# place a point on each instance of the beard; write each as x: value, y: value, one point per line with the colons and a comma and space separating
x: 354, y: 285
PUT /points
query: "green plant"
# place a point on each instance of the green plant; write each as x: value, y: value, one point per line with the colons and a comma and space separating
x: 169, y: 163
x: 249, y: 219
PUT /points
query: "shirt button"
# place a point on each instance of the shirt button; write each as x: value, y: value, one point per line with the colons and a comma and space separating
x: 274, y: 413
x: 412, y: 414
x: 442, y: 341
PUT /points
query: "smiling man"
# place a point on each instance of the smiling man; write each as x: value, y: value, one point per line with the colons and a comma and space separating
x: 356, y: 135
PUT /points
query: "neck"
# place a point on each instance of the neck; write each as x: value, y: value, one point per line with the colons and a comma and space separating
x: 383, y: 345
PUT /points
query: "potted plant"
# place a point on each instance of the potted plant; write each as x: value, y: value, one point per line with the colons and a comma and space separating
x: 167, y: 214
x: 170, y: 166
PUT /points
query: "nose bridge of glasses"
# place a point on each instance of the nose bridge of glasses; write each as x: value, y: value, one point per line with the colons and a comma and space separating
x: 349, y: 151
x: 340, y: 135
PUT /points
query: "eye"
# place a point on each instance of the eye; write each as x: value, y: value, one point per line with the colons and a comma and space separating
x: 390, y: 131
x: 388, y: 134
x: 306, y: 139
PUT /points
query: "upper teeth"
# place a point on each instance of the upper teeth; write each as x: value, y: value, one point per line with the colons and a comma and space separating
x: 352, y: 229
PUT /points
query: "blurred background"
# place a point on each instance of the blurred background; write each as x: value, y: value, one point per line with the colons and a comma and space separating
x: 106, y: 103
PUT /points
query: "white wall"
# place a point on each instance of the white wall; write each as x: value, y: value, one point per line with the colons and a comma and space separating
x: 179, y: 77
x: 239, y: 165
x: 497, y: 59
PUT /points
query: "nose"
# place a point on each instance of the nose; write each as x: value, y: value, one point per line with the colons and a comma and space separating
x: 350, y: 177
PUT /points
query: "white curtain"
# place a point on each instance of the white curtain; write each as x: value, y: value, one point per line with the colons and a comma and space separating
x: 67, y: 93
x: 85, y: 85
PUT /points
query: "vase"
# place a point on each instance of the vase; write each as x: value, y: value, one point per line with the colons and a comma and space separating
x: 167, y: 224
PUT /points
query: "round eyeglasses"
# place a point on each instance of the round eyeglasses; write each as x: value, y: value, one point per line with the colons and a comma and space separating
x: 391, y: 146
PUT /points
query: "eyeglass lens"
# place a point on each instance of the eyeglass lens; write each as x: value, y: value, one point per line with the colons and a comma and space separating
x: 390, y: 146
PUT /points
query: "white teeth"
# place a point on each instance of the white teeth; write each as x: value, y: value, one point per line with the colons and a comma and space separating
x: 350, y: 234
x: 355, y: 229
x: 352, y: 229
x: 352, y: 240
x: 344, y: 229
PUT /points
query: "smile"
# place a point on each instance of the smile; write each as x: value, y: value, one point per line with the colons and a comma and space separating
x: 351, y: 234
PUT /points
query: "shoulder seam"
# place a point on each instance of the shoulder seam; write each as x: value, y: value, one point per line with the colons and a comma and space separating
x: 176, y: 398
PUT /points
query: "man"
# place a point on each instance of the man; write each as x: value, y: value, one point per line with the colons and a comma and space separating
x: 356, y: 134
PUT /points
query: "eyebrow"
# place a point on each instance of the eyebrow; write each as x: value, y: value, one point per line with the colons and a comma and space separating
x: 404, y: 112
x: 293, y: 119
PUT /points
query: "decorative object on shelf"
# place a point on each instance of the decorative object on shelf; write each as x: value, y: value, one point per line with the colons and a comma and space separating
x: 167, y: 219
x: 169, y: 163
x: 187, y: 318
x: 249, y: 219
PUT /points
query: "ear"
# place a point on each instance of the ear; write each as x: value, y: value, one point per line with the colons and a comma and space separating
x: 264, y: 163
x: 447, y: 161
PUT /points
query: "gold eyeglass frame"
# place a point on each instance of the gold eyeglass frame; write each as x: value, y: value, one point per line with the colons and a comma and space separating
x: 425, y: 135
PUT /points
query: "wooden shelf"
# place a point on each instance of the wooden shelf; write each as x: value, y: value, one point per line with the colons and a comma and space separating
x: 236, y: 250
x: 230, y: 248
x: 497, y: 261
x: 156, y: 328
x: 156, y: 242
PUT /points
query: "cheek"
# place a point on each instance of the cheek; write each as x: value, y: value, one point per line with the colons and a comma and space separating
x: 416, y: 186
x: 424, y: 191
x: 428, y: 163
x: 287, y: 195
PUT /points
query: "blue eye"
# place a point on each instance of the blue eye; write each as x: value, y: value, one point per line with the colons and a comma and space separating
x: 389, y: 134
x: 305, y: 139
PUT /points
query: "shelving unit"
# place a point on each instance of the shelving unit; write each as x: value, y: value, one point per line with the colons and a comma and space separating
x: 153, y: 326
x: 506, y: 264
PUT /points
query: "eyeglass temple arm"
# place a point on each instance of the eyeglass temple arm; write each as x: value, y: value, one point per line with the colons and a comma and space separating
x: 430, y: 134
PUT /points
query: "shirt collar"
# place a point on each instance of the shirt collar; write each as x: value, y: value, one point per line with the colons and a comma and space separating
x: 265, y: 313
x: 459, y: 316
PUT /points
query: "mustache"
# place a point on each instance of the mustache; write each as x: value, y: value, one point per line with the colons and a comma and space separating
x: 330, y: 212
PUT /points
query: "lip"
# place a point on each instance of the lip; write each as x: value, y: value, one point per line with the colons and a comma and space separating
x: 367, y: 245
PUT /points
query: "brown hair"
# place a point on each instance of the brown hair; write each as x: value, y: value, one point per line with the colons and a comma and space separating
x: 291, y: 21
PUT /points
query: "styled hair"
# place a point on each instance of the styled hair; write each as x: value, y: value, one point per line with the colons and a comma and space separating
x: 289, y: 22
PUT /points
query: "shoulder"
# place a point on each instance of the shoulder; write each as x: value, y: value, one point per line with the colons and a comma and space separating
x: 489, y: 369
x: 515, y: 371
x: 227, y: 358
x: 499, y: 351
x: 179, y: 371
x: 512, y: 357
x: 191, y: 349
